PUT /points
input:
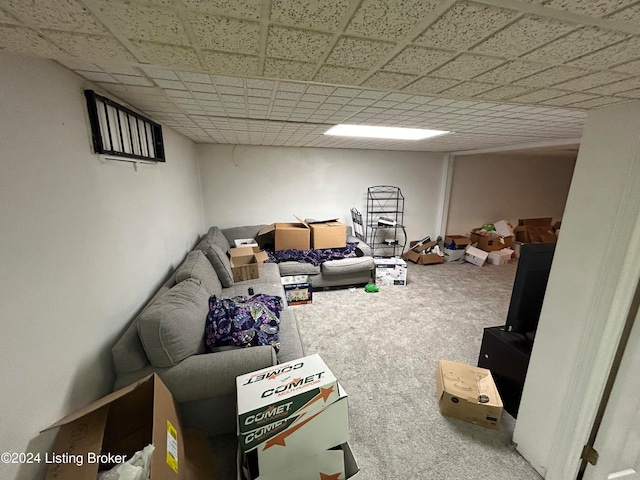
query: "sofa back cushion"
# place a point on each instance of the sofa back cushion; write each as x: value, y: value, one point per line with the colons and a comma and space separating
x: 218, y: 259
x: 171, y: 328
x: 197, y: 266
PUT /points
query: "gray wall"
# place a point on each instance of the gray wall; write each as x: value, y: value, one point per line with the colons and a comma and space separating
x: 84, y: 243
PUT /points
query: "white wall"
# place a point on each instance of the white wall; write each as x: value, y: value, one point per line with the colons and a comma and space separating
x: 595, y: 270
x: 83, y: 245
x: 245, y: 185
x: 501, y: 186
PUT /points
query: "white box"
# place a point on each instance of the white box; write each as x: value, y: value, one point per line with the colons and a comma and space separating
x: 245, y: 242
x: 297, y: 289
x: 270, y: 400
x: 309, y: 434
x: 500, y: 257
x: 390, y: 271
x: 503, y: 228
x: 475, y: 255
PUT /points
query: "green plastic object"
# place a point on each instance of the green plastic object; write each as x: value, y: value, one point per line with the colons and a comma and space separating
x: 371, y: 288
x: 489, y: 227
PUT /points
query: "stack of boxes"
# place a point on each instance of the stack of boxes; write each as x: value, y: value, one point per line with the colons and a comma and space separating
x: 293, y: 423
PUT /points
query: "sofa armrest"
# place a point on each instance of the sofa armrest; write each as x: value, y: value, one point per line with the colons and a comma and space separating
x: 360, y: 246
x: 208, y: 375
x: 214, y: 374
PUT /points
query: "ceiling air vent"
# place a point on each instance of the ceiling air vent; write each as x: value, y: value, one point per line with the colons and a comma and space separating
x: 121, y: 132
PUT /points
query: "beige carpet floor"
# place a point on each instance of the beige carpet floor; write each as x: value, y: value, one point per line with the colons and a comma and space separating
x: 384, y: 348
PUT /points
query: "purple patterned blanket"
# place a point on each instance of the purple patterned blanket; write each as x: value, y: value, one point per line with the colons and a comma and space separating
x: 243, y: 321
x: 316, y: 257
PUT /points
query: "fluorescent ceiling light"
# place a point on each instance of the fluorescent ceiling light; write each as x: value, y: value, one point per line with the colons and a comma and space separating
x: 396, y: 133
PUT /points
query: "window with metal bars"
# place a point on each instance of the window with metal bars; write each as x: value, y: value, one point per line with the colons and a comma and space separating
x: 119, y: 131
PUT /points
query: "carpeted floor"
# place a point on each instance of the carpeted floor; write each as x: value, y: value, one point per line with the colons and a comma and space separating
x: 384, y: 348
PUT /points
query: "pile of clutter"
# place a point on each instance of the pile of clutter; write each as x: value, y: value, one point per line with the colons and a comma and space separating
x: 425, y: 251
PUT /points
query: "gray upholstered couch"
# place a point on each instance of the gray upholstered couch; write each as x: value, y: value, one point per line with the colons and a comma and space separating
x: 167, y: 336
x: 343, y: 272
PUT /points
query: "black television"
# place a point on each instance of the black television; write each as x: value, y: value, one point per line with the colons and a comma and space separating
x: 529, y: 287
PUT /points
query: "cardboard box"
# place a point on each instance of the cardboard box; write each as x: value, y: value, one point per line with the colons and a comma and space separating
x: 452, y: 255
x: 245, y: 242
x: 351, y: 469
x: 468, y: 393
x: 456, y: 242
x: 286, y: 236
x: 390, y: 271
x: 475, y: 255
x: 297, y: 289
x: 500, y: 257
x: 270, y: 400
x: 535, y: 222
x: 328, y: 234
x: 245, y: 262
x: 490, y: 243
x: 307, y: 436
x: 111, y: 430
x: 415, y: 255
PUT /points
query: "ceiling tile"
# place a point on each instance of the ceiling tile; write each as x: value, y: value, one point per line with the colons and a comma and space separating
x: 464, y: 25
x: 339, y: 75
x: 510, y: 72
x: 171, y: 84
x: 389, y: 20
x: 242, y: 8
x: 597, y: 102
x: 468, y: 89
x: 581, y: 42
x: 539, y: 96
x: 522, y: 36
x: 389, y: 80
x: 226, y: 34
x: 631, y: 94
x: 66, y: 15
x: 591, y: 80
x: 431, y: 85
x: 571, y: 98
x: 358, y: 53
x: 552, y: 76
x: 631, y: 67
x: 160, y: 73
x: 618, y: 53
x: 596, y: 8
x: 132, y: 80
x: 294, y: 44
x: 630, y: 14
x: 195, y: 77
x: 16, y: 39
x: 504, y: 92
x: 319, y: 14
x: 617, y: 87
x: 231, y: 63
x: 276, y: 68
x: 97, y: 47
x: 7, y: 19
x: 97, y: 76
x: 417, y: 60
x: 467, y: 66
x: 143, y: 23
x: 168, y: 55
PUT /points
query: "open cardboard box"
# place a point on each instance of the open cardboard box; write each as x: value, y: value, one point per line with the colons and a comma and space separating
x: 111, y: 430
x: 414, y: 254
x: 245, y: 262
x: 286, y: 235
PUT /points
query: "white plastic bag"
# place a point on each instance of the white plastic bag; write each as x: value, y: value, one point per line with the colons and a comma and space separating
x: 136, y: 468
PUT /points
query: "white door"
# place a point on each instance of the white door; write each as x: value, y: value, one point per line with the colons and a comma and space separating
x: 618, y: 440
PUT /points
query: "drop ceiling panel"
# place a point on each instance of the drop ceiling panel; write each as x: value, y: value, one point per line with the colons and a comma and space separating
x: 280, y: 72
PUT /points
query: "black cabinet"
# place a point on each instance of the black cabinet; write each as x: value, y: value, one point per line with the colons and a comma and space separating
x: 507, y: 356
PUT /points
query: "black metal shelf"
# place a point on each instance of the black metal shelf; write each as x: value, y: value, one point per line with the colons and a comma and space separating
x: 387, y: 201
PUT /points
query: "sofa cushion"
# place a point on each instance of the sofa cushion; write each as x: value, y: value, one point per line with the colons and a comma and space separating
x: 215, y: 236
x: 346, y: 266
x: 198, y: 266
x: 298, y: 268
x: 172, y: 327
x: 218, y: 259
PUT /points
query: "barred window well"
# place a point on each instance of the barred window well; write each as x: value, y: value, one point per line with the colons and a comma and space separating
x: 121, y: 132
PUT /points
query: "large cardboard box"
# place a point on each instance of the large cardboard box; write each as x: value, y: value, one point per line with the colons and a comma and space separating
x: 328, y: 234
x: 111, y: 430
x: 245, y: 262
x: 489, y: 243
x: 468, y: 393
x: 286, y: 236
x: 415, y: 254
x: 297, y: 289
x: 390, y: 271
x: 456, y: 242
x: 270, y: 400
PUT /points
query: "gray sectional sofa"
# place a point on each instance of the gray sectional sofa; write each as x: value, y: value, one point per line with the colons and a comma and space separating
x: 167, y: 336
